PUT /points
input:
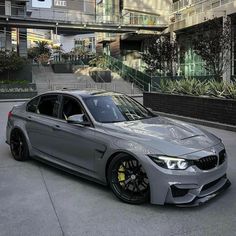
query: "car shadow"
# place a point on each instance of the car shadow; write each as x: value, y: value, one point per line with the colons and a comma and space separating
x: 109, y: 195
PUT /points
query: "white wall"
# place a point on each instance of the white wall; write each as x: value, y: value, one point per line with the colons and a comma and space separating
x: 68, y: 41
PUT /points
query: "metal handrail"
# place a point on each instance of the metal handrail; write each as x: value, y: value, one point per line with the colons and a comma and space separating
x: 140, y: 82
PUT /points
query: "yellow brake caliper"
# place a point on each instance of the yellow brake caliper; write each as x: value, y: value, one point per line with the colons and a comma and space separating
x: 121, y: 175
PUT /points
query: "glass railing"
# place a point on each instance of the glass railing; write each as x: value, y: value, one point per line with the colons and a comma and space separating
x: 74, y: 16
x: 199, y: 5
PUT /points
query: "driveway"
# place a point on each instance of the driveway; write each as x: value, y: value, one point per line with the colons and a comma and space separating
x: 39, y: 200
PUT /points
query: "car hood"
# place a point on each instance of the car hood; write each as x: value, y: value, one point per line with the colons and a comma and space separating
x: 168, y: 136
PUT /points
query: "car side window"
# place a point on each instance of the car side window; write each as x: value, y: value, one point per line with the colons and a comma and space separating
x: 32, y: 106
x: 70, y: 107
x: 49, y: 105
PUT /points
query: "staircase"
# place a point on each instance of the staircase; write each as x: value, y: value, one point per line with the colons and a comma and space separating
x: 46, y: 80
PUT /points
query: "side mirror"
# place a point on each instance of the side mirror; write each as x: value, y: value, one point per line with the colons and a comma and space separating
x: 78, y: 119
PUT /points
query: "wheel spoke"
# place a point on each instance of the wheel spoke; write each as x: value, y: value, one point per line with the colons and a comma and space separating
x: 129, y: 180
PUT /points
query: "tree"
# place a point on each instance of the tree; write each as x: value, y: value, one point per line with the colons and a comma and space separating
x: 161, y: 55
x: 42, y: 47
x: 213, y: 45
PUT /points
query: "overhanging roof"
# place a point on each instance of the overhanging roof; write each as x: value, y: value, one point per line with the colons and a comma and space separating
x: 28, y: 22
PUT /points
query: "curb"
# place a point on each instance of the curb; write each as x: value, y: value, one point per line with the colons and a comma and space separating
x: 200, y: 122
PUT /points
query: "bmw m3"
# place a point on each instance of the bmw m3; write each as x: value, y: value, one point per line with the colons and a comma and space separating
x: 110, y: 138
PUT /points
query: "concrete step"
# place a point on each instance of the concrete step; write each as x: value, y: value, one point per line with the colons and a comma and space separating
x: 46, y: 80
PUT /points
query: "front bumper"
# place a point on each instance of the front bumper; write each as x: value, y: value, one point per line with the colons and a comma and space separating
x: 201, y: 200
x: 190, y: 187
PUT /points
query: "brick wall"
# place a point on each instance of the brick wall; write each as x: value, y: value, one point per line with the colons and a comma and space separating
x: 218, y: 110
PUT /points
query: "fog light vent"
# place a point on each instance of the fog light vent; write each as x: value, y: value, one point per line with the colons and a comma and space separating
x: 178, y: 192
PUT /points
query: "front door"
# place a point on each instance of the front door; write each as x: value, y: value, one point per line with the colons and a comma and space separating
x: 76, y: 144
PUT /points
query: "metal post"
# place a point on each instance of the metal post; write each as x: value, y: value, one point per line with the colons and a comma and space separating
x: 149, y: 87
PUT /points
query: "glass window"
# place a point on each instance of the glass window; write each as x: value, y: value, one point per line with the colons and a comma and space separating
x: 32, y: 105
x: 70, y: 107
x: 49, y: 105
x: 116, y: 108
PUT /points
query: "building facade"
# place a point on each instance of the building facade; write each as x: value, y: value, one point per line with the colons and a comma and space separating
x: 182, y: 17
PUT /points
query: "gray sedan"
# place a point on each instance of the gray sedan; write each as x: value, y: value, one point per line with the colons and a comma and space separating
x: 112, y: 139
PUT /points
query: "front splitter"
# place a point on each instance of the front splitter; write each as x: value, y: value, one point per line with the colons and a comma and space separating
x: 199, y: 201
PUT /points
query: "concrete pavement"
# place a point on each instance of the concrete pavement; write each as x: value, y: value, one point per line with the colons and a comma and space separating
x: 39, y: 200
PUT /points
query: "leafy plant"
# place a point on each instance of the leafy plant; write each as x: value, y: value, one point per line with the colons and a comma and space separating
x: 99, y: 61
x: 191, y: 87
x: 65, y: 56
x: 42, y: 47
x: 10, y: 61
x: 43, y: 59
x: 195, y: 87
x: 216, y: 89
x: 230, y: 91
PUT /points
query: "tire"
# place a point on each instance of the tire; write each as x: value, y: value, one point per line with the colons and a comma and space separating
x: 18, y: 145
x: 128, y: 179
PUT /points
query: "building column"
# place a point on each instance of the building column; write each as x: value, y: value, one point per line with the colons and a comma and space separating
x: 8, y: 39
x: 8, y: 8
x: 22, y: 42
x: 228, y: 67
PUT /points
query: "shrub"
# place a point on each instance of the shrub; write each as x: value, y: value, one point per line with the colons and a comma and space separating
x: 43, y: 59
x: 14, y: 82
x: 99, y: 61
x: 195, y: 87
x: 10, y: 61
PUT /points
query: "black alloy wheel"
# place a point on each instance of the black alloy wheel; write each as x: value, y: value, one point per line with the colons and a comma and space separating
x: 128, y: 180
x: 18, y: 145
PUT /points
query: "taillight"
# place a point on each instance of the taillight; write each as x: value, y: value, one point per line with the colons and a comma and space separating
x: 9, y: 114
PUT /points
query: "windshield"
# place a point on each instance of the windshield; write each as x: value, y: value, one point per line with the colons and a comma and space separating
x: 116, y: 108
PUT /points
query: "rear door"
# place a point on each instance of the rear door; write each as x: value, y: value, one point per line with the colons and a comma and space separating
x: 42, y: 121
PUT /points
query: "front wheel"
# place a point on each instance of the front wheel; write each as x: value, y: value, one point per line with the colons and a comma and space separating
x: 18, y: 146
x: 128, y: 180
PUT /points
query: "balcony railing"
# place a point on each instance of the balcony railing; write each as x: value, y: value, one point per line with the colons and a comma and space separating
x: 76, y: 17
x: 199, y: 5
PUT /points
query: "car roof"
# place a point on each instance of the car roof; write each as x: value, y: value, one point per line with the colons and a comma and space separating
x: 84, y: 93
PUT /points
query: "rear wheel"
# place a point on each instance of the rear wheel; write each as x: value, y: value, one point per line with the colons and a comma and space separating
x: 128, y: 180
x: 18, y: 145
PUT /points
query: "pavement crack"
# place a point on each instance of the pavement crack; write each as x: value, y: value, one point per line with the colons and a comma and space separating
x: 50, y: 197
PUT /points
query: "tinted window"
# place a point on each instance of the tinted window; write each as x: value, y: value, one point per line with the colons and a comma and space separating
x: 49, y: 105
x: 70, y: 107
x: 117, y: 108
x: 32, y: 105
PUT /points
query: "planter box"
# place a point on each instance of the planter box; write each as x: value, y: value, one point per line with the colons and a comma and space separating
x: 211, y: 109
x: 17, y: 95
x: 62, y: 68
x: 18, y: 86
x: 101, y: 76
x: 25, y: 73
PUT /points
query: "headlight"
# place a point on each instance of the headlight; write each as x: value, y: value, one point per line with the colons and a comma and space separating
x: 171, y: 163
